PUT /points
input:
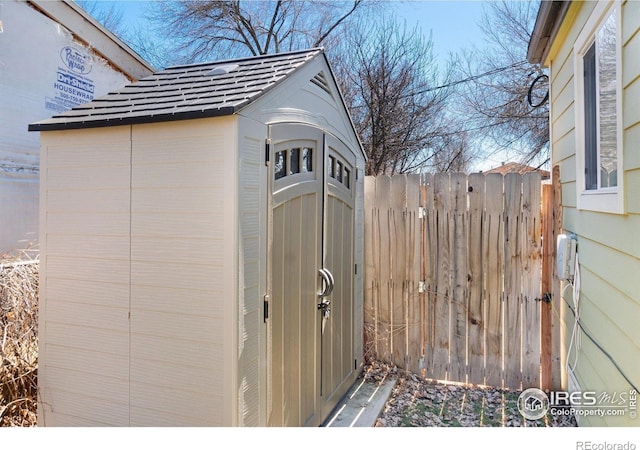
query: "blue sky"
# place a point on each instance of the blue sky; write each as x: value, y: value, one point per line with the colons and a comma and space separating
x: 454, y: 24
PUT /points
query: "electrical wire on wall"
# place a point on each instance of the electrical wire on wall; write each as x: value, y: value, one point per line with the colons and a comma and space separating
x: 575, y: 336
x: 575, y: 340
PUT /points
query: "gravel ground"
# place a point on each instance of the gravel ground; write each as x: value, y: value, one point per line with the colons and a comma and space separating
x: 415, y: 402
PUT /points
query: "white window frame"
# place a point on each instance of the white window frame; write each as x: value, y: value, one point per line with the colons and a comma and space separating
x: 609, y: 199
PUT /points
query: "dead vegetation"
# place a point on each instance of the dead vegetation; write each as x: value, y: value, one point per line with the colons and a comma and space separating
x: 18, y: 340
x: 416, y: 402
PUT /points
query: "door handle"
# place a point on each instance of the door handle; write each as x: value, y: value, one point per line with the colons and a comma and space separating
x: 327, y: 281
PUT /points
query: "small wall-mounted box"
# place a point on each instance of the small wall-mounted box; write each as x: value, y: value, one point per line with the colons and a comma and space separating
x: 566, y: 256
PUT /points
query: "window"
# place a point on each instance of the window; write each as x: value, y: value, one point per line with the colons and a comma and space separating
x: 293, y: 161
x: 280, y: 168
x: 340, y: 171
x: 598, y: 99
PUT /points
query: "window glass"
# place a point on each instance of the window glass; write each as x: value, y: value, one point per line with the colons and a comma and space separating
x: 590, y: 120
x: 332, y: 169
x: 339, y: 172
x: 280, y: 166
x: 347, y: 176
x: 607, y: 79
x: 295, y: 161
x: 307, y: 159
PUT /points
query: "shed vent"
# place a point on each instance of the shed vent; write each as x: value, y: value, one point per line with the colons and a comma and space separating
x: 222, y: 70
x: 321, y: 81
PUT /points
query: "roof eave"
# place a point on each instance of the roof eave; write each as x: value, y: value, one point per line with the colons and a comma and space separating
x: 54, y: 125
x: 75, y: 19
x: 550, y: 16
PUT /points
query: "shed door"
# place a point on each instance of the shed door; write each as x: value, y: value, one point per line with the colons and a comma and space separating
x: 311, y: 264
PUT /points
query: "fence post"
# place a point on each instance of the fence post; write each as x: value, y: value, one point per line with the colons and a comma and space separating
x: 546, y: 288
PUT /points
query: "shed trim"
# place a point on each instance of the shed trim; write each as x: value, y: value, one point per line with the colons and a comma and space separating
x: 153, y: 118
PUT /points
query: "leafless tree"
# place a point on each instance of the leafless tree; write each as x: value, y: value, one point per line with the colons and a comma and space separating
x: 388, y: 74
x: 209, y: 29
x: 495, y: 105
x: 389, y: 78
x: 109, y: 15
x: 453, y: 154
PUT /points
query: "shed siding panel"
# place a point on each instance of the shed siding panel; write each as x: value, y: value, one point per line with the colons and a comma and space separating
x: 75, y: 407
x: 177, y: 284
x: 252, y: 215
x: 85, y: 264
x: 608, y: 249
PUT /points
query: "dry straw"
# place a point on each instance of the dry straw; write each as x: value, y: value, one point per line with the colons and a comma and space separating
x: 18, y: 340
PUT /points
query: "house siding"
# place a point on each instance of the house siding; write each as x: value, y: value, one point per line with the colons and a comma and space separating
x: 608, y: 244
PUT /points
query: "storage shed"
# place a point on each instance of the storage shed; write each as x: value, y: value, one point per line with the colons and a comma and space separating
x: 202, y: 249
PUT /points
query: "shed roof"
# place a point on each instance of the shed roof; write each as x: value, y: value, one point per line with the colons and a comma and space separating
x: 184, y: 92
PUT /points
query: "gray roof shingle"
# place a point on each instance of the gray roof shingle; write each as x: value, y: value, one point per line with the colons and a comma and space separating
x: 184, y: 92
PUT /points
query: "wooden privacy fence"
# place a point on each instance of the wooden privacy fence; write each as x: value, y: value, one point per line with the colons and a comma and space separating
x: 453, y: 276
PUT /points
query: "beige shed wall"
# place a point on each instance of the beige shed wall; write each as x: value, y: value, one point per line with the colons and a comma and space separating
x: 182, y: 272
x: 138, y: 250
x: 608, y: 244
x: 83, y: 369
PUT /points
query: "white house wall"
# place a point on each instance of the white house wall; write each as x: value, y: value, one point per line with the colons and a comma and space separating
x: 43, y: 71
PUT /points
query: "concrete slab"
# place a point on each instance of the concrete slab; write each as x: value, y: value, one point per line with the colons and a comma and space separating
x: 362, y: 405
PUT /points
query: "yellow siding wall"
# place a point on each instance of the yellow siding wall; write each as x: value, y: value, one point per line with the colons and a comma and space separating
x: 608, y: 244
x: 139, y: 273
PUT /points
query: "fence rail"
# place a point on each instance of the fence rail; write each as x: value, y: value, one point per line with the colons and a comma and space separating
x: 453, y: 275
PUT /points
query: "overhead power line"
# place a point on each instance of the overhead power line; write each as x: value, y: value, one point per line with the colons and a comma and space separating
x: 457, y: 82
x: 466, y: 80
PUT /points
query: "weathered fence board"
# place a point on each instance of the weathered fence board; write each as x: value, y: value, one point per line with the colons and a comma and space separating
x: 453, y: 290
x: 494, y: 269
x: 532, y: 277
x: 476, y: 304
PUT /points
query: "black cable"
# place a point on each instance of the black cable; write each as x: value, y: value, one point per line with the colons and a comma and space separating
x: 546, y: 97
x: 606, y: 353
x: 466, y: 80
